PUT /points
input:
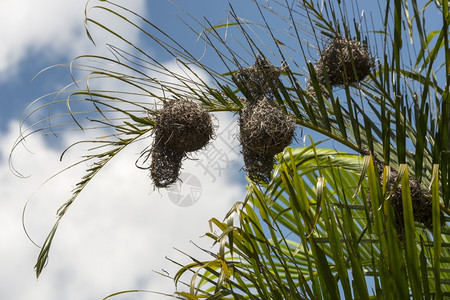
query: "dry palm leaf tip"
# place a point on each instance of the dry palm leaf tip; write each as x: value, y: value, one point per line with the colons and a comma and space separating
x: 182, y: 126
x: 421, y: 200
x: 344, y: 61
x: 265, y: 129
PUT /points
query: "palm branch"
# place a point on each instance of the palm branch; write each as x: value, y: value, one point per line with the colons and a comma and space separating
x: 399, y: 114
x: 307, y: 235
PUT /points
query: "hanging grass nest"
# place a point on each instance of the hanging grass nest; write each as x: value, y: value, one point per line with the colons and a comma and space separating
x: 421, y: 204
x: 259, y: 80
x: 345, y: 61
x: 258, y: 166
x: 264, y: 131
x: 421, y: 200
x: 182, y: 126
x: 166, y: 164
x: 264, y: 128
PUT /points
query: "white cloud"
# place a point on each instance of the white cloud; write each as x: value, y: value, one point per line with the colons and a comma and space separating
x: 48, y: 28
x: 117, y: 231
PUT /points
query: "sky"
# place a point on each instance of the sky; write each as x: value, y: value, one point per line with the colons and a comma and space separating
x: 120, y: 230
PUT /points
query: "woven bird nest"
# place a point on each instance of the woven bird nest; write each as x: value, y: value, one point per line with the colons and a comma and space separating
x: 166, y: 164
x: 420, y: 198
x: 421, y: 205
x: 259, y: 80
x: 258, y: 166
x: 345, y: 61
x: 182, y: 126
x: 264, y: 128
x: 264, y: 131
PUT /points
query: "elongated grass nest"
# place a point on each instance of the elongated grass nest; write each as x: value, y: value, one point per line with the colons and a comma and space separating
x: 166, y: 164
x: 264, y: 131
x: 184, y: 125
x: 345, y: 61
x: 258, y: 166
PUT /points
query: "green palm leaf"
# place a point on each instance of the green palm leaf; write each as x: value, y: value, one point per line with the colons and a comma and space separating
x: 290, y: 250
x: 312, y: 231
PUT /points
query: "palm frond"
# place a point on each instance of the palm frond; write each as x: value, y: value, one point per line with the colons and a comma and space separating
x: 398, y: 113
x: 279, y: 247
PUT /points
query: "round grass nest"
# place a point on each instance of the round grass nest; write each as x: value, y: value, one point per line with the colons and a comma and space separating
x: 421, y: 204
x: 264, y: 128
x: 264, y: 131
x: 259, y: 80
x: 345, y: 61
x: 421, y: 200
x: 182, y: 126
